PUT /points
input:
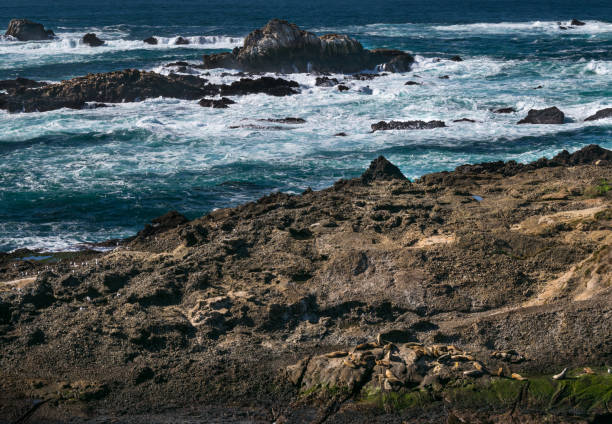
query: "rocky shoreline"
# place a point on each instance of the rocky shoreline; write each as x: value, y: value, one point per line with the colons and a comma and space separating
x: 456, y: 297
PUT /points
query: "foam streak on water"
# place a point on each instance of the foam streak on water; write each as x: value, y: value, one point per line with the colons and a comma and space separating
x: 68, y: 177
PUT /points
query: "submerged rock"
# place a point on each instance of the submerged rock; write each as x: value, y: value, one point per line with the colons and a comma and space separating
x: 601, y: 114
x: 283, y: 47
x: 407, y: 125
x: 92, y: 40
x: 551, y: 115
x: 464, y: 120
x: 505, y: 110
x: 412, y: 83
x: 180, y: 41
x: 456, y: 59
x: 326, y: 82
x: 26, y: 30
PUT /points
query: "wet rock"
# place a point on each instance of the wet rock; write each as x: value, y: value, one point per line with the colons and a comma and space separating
x: 576, y: 22
x: 444, y: 77
x: 340, y: 134
x: 180, y: 41
x: 342, y: 88
x: 600, y: 114
x: 151, y: 40
x: 382, y: 170
x: 412, y: 83
x: 464, y: 120
x: 289, y: 120
x: 456, y: 59
x: 406, y: 125
x: 26, y: 30
x: 283, y: 47
x: 92, y: 40
x: 550, y: 115
x: 222, y: 103
x: 326, y: 82
x: 20, y: 84
x: 267, y: 85
x: 505, y: 110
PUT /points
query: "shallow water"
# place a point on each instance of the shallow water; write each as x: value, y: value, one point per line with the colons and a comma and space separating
x: 68, y: 177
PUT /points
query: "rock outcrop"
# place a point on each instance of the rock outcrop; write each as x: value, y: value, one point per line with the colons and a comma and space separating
x: 20, y: 84
x: 151, y: 41
x: 92, y: 40
x: 283, y: 47
x: 551, y: 115
x: 601, y: 114
x: 222, y: 103
x: 132, y: 85
x: 26, y: 30
x: 407, y: 125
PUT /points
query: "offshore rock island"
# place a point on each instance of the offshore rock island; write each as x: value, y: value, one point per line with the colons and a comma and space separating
x: 478, y: 295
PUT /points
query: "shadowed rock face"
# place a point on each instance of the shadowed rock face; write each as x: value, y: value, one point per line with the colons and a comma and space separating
x: 551, y: 115
x: 26, y: 30
x: 131, y: 86
x: 601, y: 114
x: 222, y: 305
x: 283, y: 47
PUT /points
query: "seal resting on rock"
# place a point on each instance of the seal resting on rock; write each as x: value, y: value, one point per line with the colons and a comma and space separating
x: 26, y: 30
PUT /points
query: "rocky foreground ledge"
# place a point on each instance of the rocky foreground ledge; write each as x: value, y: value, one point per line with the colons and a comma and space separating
x: 459, y: 297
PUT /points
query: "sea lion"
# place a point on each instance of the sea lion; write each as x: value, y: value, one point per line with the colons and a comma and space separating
x: 561, y: 375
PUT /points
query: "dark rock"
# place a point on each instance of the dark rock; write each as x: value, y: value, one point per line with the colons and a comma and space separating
x: 456, y: 59
x: 505, y: 110
x: 601, y: 114
x: 92, y: 40
x: 267, y: 85
x: 550, y: 115
x: 444, y: 77
x: 464, y: 120
x: 538, y: 87
x: 382, y: 170
x: 162, y: 224
x: 340, y: 134
x: 289, y: 120
x: 587, y: 155
x: 20, y: 83
x: 326, y: 82
x: 180, y: 41
x: 283, y: 47
x: 222, y: 103
x: 25, y: 30
x: 179, y: 64
x: 407, y: 125
x: 412, y: 83
x: 563, y: 28
x: 576, y: 22
x: 143, y: 374
x: 151, y: 40
x: 342, y: 88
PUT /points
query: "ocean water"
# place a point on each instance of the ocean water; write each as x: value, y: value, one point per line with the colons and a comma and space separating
x: 72, y: 177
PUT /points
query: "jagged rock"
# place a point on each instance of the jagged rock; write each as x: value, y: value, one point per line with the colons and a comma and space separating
x: 326, y: 82
x: 26, y: 30
x: 268, y: 85
x: 382, y: 170
x: 92, y: 40
x: 151, y: 40
x: 283, y: 47
x: 601, y: 114
x: 180, y: 41
x: 407, y: 125
x: 576, y: 22
x: 222, y: 103
x: 550, y: 115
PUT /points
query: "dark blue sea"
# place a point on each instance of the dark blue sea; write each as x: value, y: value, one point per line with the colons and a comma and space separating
x: 71, y: 177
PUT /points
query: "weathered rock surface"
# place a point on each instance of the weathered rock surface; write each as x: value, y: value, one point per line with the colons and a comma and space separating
x: 92, y: 40
x: 601, y: 114
x: 131, y: 86
x: 272, y: 309
x: 283, y: 47
x: 26, y: 30
x: 407, y: 125
x: 551, y: 115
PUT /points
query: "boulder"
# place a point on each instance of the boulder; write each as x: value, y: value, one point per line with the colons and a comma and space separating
x: 283, y: 47
x: 326, y: 82
x: 456, y: 59
x: 576, y: 22
x: 601, y: 114
x: 151, y: 40
x: 180, y: 41
x: 268, y: 85
x: 222, y: 103
x: 92, y: 40
x: 407, y: 125
x: 551, y: 115
x: 26, y: 30
x: 505, y: 110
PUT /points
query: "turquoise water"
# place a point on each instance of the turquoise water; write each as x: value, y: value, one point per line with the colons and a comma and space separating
x: 71, y: 177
